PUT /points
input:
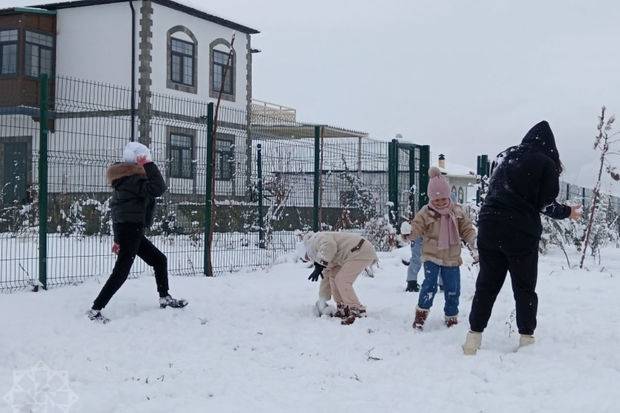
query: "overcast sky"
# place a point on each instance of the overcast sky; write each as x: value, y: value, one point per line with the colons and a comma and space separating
x: 466, y: 77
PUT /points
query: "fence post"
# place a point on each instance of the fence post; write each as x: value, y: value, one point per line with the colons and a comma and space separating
x: 482, y: 171
x: 425, y: 164
x: 393, y: 181
x: 478, y: 168
x: 259, y: 171
x: 583, y: 197
x: 568, y: 192
x: 43, y: 131
x: 208, y: 190
x: 412, y: 172
x: 317, y: 178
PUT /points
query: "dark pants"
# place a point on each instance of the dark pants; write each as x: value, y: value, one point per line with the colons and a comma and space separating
x: 132, y: 242
x: 495, y: 262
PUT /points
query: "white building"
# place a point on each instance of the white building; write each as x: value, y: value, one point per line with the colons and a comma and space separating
x: 462, y: 180
x: 154, y: 50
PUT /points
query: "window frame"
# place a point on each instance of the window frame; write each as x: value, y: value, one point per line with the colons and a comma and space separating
x: 29, y: 162
x: 173, y: 84
x: 218, y: 45
x: 219, y: 157
x: 182, y: 57
x: 51, y: 49
x: 230, y: 73
x: 179, y: 173
x: 8, y: 43
x: 453, y: 194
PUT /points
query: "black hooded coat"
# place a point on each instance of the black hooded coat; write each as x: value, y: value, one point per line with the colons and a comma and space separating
x: 524, y: 184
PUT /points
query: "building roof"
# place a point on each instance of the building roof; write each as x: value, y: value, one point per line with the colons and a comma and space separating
x: 166, y: 3
x: 456, y: 170
x: 303, y: 131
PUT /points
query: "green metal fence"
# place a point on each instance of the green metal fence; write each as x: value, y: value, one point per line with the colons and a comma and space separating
x: 272, y: 177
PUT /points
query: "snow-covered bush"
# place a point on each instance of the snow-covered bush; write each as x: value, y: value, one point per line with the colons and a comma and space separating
x: 381, y: 233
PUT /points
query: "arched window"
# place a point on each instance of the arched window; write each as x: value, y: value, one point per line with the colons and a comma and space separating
x: 461, y: 195
x: 453, y: 194
x: 182, y: 60
x: 222, y: 75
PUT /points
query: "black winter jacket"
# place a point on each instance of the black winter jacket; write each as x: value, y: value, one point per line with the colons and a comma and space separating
x: 524, y: 184
x: 135, y: 190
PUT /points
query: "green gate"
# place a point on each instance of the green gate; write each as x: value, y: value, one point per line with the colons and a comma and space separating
x: 408, y: 165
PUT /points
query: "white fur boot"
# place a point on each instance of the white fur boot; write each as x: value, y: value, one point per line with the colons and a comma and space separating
x: 472, y: 343
x: 526, y: 340
x: 321, y: 308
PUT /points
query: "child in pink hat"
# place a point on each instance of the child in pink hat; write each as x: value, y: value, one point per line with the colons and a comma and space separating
x: 442, y: 224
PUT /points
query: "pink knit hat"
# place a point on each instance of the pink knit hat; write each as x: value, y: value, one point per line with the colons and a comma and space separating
x: 438, y: 187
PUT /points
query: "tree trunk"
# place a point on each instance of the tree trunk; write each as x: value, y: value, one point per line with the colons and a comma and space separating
x: 595, y: 198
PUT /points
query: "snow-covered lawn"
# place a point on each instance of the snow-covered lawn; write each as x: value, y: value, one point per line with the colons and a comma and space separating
x: 249, y: 343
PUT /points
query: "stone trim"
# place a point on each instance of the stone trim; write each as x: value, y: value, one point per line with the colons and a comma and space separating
x: 248, y: 111
x: 169, y: 83
x: 144, y: 72
x: 212, y: 93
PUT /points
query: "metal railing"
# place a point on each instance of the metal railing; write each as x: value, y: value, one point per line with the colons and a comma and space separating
x: 273, y: 176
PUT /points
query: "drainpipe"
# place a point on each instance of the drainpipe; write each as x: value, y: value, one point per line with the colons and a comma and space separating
x: 133, y: 71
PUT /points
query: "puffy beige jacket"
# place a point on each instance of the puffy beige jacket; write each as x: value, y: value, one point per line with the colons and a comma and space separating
x: 426, y: 224
x: 335, y: 248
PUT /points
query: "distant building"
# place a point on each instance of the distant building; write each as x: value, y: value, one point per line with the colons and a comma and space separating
x: 462, y: 180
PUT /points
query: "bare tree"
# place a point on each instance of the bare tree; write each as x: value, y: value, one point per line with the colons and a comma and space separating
x: 602, y: 143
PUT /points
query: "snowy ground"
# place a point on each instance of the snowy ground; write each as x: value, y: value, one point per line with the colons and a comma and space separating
x: 249, y: 342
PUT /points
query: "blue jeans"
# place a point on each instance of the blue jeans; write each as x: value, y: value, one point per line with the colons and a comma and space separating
x: 452, y: 287
x: 415, y: 263
x: 416, y: 260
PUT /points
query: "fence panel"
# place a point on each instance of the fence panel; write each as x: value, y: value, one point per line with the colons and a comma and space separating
x: 89, y: 125
x: 19, y: 207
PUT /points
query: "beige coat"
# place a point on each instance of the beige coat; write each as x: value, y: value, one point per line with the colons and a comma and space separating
x: 426, y: 223
x: 335, y: 248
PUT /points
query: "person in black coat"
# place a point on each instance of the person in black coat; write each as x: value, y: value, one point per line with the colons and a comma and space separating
x: 136, y: 183
x: 524, y: 184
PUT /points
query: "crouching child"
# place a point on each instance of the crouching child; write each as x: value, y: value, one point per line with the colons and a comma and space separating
x: 442, y: 224
x: 339, y: 258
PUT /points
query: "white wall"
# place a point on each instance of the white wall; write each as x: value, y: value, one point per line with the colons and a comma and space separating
x: 94, y: 42
x: 165, y: 18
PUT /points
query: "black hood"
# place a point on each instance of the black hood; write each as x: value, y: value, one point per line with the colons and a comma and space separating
x: 541, y: 137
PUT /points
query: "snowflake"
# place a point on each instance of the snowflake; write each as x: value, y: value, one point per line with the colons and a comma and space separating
x: 40, y: 389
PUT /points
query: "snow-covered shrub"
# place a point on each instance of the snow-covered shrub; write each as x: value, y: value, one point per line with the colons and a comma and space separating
x: 380, y: 233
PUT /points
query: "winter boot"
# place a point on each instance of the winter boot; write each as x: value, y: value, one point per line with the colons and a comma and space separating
x: 412, y: 286
x: 95, y: 315
x: 342, y: 311
x: 321, y: 308
x: 472, y: 343
x: 526, y: 340
x: 451, y: 321
x: 358, y: 312
x: 420, y: 318
x: 168, y: 301
x: 353, y: 314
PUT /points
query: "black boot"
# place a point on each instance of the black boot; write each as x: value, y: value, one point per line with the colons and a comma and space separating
x: 412, y: 286
x: 168, y: 301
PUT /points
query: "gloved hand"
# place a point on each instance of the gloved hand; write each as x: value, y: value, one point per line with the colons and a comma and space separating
x: 143, y: 159
x: 318, y: 270
x: 475, y: 256
x: 116, y: 248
